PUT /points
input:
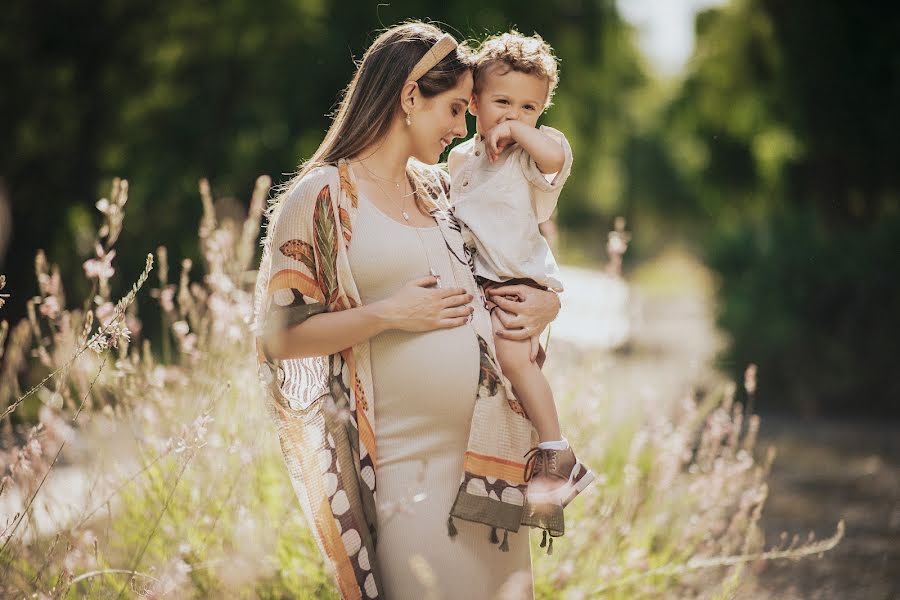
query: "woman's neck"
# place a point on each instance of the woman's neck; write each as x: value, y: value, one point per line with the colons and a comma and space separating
x: 386, y: 159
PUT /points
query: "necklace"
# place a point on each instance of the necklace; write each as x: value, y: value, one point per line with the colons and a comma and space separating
x: 403, y: 197
x: 376, y: 176
x: 431, y: 270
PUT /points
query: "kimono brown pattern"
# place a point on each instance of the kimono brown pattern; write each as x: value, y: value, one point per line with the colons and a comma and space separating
x: 323, y: 407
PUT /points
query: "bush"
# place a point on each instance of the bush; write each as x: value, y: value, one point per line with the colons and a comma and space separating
x: 817, y: 309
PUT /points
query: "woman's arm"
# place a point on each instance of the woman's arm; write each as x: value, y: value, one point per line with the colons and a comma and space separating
x: 416, y: 307
x: 325, y: 333
x: 524, y: 311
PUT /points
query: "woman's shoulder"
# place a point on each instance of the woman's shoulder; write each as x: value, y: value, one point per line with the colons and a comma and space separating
x: 311, y: 184
x: 434, y: 172
x: 316, y: 178
x: 297, y: 199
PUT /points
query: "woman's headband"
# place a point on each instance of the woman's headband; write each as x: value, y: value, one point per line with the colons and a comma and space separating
x: 433, y: 56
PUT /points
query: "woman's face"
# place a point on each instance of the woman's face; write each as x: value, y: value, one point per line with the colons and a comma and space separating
x: 440, y: 120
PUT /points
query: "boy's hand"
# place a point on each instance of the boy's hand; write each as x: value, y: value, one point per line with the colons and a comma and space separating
x: 498, y: 139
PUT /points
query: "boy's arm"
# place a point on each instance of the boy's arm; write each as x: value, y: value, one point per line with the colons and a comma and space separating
x: 547, y: 153
x: 545, y: 188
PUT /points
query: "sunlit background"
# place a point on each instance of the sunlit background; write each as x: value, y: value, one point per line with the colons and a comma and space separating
x: 748, y: 149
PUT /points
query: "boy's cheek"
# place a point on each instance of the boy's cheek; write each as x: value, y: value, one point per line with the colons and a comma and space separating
x: 530, y: 121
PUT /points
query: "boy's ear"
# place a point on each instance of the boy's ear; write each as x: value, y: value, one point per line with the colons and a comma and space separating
x: 473, y: 106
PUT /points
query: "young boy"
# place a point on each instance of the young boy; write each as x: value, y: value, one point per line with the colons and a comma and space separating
x: 505, y: 181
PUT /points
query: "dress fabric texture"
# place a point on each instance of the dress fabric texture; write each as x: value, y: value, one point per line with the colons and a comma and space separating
x: 425, y: 386
x: 324, y: 407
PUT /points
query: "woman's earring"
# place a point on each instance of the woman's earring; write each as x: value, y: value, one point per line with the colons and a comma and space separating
x: 408, y: 120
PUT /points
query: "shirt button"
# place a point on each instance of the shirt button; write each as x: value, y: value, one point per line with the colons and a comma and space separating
x: 478, y: 153
x: 465, y: 183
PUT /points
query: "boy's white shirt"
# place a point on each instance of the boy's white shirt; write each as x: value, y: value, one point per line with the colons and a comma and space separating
x: 500, y: 206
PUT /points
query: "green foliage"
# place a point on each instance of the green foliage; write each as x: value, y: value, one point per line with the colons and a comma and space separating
x: 785, y: 107
x: 779, y: 138
x: 167, y: 94
x: 816, y: 310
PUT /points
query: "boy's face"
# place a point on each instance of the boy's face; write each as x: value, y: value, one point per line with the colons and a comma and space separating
x: 509, y: 95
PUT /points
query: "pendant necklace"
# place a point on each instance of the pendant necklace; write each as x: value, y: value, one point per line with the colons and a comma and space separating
x: 403, y: 197
x: 431, y: 270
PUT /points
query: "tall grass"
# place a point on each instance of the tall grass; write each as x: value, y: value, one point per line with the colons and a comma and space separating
x: 157, y: 474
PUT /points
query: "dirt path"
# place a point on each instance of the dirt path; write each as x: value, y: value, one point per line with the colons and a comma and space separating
x: 824, y: 472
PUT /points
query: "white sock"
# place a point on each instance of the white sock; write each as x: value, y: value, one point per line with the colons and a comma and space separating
x: 554, y: 445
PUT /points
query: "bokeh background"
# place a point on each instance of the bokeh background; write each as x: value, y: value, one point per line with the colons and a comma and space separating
x: 768, y: 148
x: 750, y: 145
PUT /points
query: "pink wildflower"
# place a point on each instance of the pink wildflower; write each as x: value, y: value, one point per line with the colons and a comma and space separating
x: 750, y: 379
x: 50, y: 307
x: 100, y: 267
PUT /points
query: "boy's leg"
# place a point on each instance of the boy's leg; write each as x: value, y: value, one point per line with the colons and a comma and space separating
x: 529, y: 384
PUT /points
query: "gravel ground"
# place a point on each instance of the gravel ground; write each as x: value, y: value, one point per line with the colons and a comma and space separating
x: 826, y: 471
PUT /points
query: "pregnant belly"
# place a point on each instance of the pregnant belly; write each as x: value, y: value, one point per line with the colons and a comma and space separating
x: 425, y: 386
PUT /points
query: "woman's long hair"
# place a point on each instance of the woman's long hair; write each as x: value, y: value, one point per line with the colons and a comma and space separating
x: 368, y: 107
x: 371, y: 100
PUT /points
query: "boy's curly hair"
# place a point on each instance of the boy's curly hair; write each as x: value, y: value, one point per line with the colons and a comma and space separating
x: 513, y: 51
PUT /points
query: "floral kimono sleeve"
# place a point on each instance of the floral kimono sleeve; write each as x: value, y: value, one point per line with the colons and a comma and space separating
x: 308, y: 403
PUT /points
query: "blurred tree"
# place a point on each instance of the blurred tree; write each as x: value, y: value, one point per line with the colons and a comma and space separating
x: 776, y: 152
x: 785, y: 132
x: 164, y: 93
x: 841, y: 78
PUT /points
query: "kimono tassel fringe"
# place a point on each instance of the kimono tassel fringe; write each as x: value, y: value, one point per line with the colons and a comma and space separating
x: 544, y: 539
x: 451, y: 527
x: 494, y: 538
x: 504, y: 547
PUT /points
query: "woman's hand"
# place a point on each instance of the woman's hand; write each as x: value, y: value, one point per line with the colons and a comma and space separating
x: 524, y: 311
x: 417, y: 306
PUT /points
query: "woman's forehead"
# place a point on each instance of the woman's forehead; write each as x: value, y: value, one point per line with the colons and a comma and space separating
x: 463, y: 89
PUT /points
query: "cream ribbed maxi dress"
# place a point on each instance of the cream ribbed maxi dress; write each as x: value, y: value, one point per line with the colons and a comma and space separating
x: 425, y: 387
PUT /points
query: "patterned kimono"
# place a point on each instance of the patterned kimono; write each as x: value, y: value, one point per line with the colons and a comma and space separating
x: 323, y: 407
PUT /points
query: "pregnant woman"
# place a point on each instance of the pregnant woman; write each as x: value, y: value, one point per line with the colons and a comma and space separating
x: 403, y: 445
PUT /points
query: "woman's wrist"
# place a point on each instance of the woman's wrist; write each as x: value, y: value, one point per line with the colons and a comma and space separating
x: 376, y: 316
